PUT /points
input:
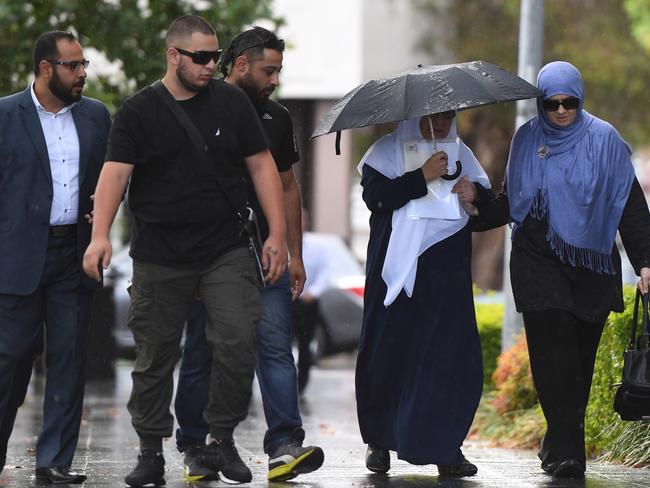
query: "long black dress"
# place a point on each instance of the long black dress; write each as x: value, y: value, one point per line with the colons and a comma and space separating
x: 419, y: 369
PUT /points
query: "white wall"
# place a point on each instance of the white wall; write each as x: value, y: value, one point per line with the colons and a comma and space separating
x: 333, y: 46
x: 323, y: 56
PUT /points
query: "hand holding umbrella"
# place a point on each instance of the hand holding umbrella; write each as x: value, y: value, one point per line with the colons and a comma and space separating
x: 435, y: 166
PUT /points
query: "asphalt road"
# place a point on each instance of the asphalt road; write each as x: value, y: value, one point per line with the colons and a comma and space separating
x: 108, y: 445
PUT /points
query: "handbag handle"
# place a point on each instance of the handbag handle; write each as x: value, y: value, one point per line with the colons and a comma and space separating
x: 645, y: 321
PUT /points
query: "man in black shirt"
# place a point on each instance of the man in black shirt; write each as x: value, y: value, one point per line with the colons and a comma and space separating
x: 187, y: 242
x: 253, y: 62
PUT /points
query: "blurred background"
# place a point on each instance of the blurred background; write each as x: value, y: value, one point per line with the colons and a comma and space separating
x: 333, y: 46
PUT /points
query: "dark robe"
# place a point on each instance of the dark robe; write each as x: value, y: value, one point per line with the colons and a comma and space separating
x: 419, y: 370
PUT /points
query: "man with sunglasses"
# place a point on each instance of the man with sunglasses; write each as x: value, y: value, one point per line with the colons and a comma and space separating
x: 253, y: 62
x: 52, y: 145
x: 185, y: 144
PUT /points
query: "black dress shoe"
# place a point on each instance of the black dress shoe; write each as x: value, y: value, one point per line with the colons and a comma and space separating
x: 465, y: 468
x: 377, y: 460
x: 571, y: 468
x: 59, y: 475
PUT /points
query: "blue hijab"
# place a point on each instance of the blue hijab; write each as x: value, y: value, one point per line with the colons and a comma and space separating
x: 577, y: 177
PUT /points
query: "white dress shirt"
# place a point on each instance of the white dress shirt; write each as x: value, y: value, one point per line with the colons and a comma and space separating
x: 62, y: 143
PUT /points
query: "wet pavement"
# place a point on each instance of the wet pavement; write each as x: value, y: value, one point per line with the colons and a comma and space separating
x: 108, y: 446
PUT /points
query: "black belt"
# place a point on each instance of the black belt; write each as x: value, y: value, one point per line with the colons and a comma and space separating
x: 62, y: 230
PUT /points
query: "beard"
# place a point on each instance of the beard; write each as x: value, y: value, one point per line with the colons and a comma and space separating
x: 186, y: 82
x: 62, y: 92
x: 257, y: 96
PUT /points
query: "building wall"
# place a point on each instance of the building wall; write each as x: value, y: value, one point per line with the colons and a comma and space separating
x: 332, y: 47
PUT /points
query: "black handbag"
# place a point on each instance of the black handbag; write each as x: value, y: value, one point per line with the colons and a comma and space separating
x: 250, y: 229
x: 632, y: 400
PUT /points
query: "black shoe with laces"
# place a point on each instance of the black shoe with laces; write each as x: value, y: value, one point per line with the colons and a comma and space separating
x: 221, y: 456
x: 150, y: 470
x: 194, y: 465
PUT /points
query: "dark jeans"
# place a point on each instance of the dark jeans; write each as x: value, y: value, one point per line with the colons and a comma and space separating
x: 58, y: 310
x: 160, y: 299
x: 274, y: 366
x: 305, y: 318
x: 562, y: 351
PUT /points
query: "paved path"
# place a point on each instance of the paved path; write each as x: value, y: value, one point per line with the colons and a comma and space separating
x: 107, y: 447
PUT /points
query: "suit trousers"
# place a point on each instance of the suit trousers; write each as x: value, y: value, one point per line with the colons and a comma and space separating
x: 56, y: 314
x: 562, y: 351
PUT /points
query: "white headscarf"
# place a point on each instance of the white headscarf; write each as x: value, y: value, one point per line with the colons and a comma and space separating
x: 411, y: 237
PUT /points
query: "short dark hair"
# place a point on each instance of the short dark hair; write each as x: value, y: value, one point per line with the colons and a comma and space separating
x: 45, y: 46
x: 184, y: 26
x: 250, y: 43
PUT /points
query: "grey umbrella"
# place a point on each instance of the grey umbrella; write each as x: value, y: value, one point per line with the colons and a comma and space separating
x: 422, y: 91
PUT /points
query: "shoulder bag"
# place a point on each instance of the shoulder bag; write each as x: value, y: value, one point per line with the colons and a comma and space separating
x: 246, y: 216
x: 632, y: 400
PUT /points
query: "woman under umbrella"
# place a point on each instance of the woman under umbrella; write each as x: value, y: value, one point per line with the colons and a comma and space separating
x: 570, y: 186
x: 419, y: 371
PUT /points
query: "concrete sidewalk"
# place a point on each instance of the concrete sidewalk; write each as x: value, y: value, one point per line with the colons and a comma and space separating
x: 108, y: 446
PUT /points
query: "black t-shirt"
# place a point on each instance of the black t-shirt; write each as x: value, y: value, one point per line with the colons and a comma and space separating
x: 278, y: 128
x: 184, y: 213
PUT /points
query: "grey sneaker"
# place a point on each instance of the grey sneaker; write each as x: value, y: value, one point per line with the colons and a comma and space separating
x: 290, y: 460
x: 195, y: 468
x: 221, y: 456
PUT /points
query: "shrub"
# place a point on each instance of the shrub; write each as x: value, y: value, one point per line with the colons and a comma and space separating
x: 513, y: 380
x: 605, y: 433
x: 489, y: 318
x: 511, y: 416
x: 522, y: 429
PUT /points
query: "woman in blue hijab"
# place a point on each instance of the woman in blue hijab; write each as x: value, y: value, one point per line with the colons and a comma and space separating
x: 570, y: 187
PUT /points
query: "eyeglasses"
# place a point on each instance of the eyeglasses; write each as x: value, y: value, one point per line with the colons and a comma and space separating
x: 277, y: 44
x: 201, y: 57
x: 71, y: 65
x: 551, y: 105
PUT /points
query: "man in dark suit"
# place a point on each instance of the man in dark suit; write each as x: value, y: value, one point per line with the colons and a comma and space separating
x: 52, y: 146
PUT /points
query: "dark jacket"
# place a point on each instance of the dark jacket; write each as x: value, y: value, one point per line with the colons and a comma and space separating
x: 26, y: 186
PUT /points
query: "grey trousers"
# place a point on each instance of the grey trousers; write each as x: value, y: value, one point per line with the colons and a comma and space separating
x: 160, y: 299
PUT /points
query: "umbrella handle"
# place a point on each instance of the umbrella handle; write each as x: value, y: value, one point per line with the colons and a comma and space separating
x: 455, y: 174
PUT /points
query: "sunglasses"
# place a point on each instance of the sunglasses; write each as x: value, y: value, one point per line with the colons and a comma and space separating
x: 551, y: 105
x: 201, y: 57
x: 71, y: 65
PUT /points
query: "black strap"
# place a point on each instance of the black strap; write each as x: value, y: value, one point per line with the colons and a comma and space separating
x: 337, y: 143
x: 192, y: 132
x: 645, y: 321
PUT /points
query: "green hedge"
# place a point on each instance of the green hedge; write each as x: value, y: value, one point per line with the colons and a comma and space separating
x: 605, y: 434
x: 489, y: 318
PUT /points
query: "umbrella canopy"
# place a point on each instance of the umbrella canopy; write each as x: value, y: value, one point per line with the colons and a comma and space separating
x: 422, y: 91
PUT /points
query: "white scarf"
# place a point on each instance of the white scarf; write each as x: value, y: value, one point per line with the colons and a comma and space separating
x: 411, y: 237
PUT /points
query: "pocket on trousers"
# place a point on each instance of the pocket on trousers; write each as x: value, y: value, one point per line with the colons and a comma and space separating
x: 140, y: 307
